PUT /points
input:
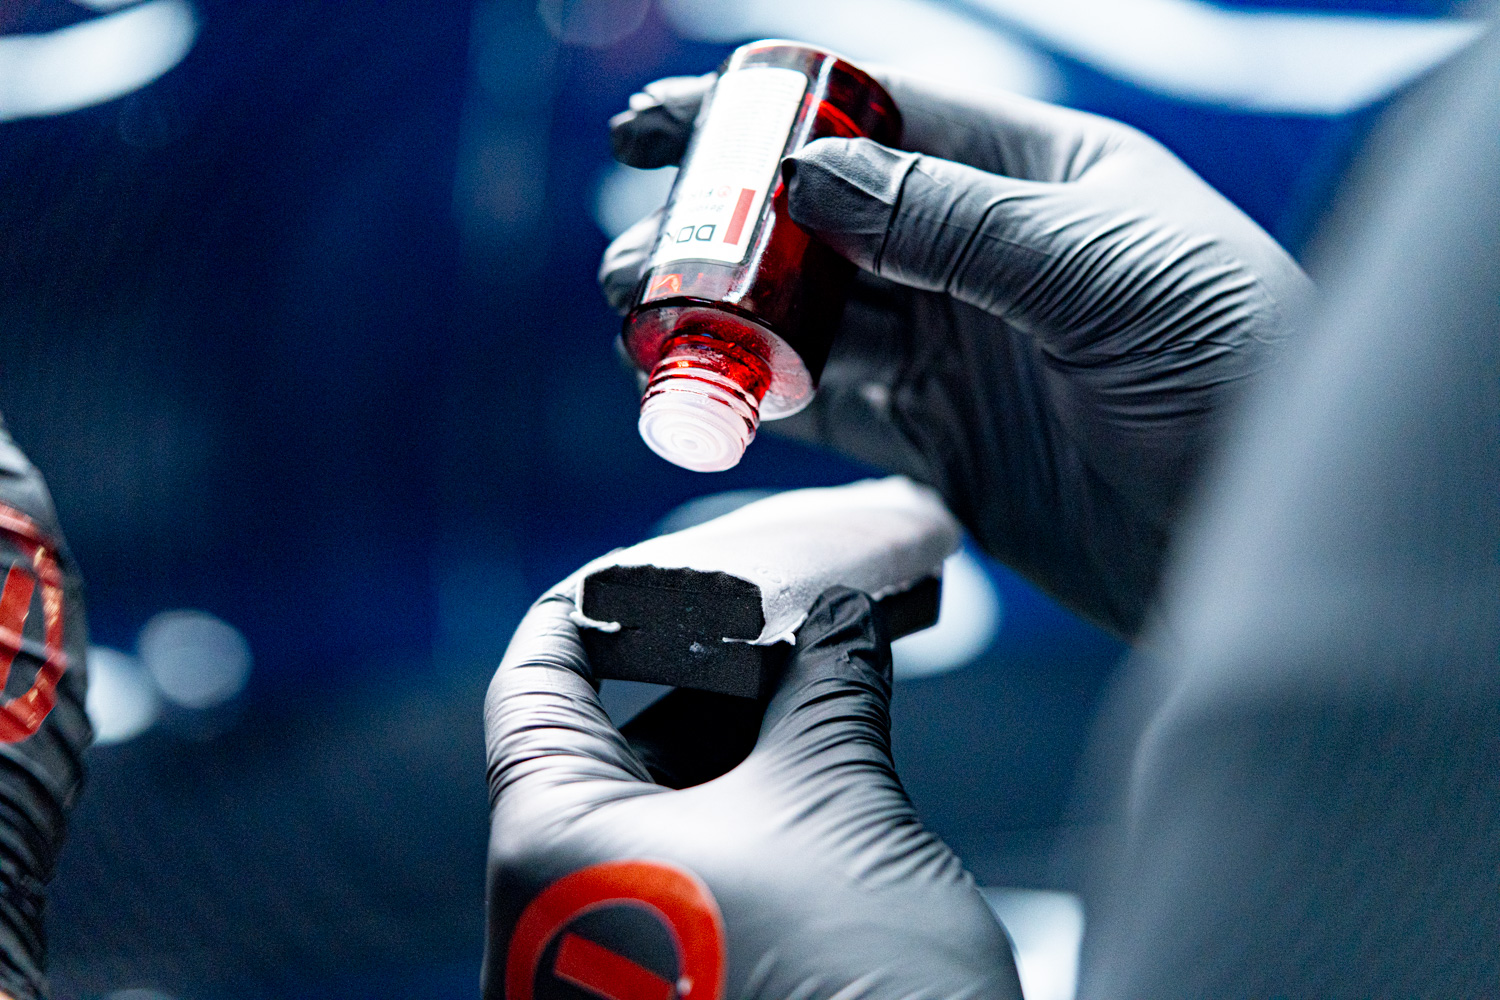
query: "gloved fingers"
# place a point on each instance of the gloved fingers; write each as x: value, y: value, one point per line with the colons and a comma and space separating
x: 544, y: 724
x: 1001, y: 132
x: 832, y: 704
x: 932, y: 224
x: 688, y: 737
x: 625, y: 261
x: 848, y: 192
x: 654, y: 130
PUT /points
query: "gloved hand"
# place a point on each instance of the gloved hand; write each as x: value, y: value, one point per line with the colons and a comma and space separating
x: 1053, y: 318
x: 802, y: 872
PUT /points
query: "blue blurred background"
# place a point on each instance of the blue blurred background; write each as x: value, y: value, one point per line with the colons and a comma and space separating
x: 297, y: 313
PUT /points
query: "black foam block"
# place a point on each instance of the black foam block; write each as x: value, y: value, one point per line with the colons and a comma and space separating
x: 673, y: 623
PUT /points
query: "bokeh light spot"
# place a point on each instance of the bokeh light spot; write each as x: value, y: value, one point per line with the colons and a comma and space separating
x: 968, y: 621
x: 122, y: 701
x: 625, y: 195
x: 197, y: 660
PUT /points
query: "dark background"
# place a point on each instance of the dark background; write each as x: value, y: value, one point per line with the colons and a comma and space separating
x: 305, y: 334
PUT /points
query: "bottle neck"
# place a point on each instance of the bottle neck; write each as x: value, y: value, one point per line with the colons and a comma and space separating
x: 701, y: 407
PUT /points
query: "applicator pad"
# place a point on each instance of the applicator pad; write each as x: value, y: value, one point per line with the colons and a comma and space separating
x: 716, y: 606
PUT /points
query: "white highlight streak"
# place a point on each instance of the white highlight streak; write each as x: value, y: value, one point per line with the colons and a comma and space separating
x: 1276, y: 62
x: 1046, y: 928
x: 916, y: 36
x: 968, y: 621
x: 95, y: 61
x: 1321, y: 64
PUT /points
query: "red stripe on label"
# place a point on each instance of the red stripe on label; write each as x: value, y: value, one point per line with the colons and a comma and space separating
x: 605, y: 973
x: 741, y: 212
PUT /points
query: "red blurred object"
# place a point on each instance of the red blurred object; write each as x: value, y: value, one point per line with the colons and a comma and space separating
x: 736, y: 313
x: 22, y: 716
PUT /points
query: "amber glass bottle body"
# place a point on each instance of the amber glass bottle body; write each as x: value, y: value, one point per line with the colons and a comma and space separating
x: 736, y: 312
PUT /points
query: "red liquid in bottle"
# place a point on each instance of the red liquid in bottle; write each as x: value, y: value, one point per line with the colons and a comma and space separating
x: 736, y: 313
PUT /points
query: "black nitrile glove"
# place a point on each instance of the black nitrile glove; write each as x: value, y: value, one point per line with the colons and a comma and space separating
x: 802, y: 872
x: 43, y: 727
x: 1053, y: 316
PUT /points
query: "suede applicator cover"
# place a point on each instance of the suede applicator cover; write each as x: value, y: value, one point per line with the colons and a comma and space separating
x: 717, y: 606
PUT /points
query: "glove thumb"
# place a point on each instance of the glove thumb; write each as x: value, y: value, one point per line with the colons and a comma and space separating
x: 827, y: 739
x: 847, y: 191
x: 832, y: 706
x: 544, y: 725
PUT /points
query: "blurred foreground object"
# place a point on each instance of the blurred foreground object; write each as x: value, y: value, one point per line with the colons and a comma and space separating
x: 1315, y: 808
x: 714, y: 607
x: 43, y: 726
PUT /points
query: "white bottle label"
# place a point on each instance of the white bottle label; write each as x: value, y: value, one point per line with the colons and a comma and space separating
x: 736, y: 152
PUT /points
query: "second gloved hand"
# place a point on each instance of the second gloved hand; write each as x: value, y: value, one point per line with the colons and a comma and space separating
x: 802, y: 872
x: 1053, y: 319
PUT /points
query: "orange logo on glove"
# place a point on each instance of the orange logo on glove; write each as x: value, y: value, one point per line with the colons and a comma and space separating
x: 678, y: 900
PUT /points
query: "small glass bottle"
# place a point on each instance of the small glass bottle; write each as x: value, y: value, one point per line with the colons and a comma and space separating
x: 735, y: 315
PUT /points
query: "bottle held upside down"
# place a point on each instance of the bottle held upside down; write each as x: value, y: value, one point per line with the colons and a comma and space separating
x: 735, y: 314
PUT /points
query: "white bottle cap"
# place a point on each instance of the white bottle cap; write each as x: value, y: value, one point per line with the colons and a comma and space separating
x: 697, y: 420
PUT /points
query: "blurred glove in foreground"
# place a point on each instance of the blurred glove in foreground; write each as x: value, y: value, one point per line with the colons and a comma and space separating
x: 801, y: 872
x: 43, y: 727
x: 1314, y: 796
x: 1053, y: 317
